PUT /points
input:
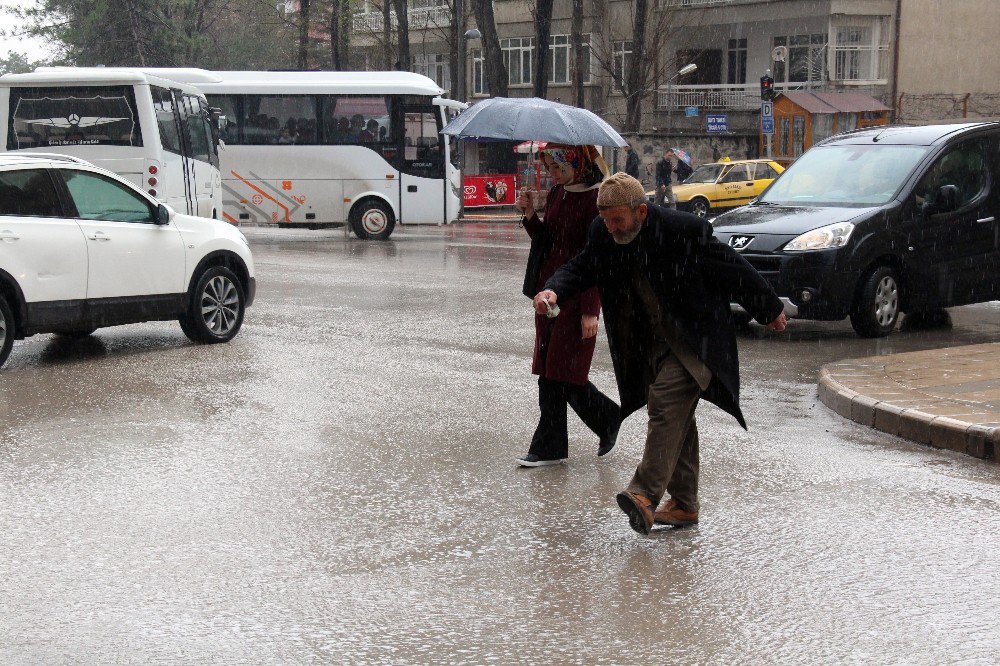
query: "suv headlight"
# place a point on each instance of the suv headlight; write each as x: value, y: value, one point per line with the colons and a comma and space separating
x: 824, y: 238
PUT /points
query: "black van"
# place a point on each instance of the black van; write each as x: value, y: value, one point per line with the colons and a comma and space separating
x: 879, y: 221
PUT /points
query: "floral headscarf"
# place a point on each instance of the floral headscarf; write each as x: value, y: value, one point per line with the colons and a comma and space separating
x: 585, y: 162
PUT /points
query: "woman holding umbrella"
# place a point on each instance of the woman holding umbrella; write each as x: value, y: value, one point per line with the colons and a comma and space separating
x: 564, y: 345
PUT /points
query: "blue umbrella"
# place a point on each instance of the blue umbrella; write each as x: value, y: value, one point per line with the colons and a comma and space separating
x: 532, y: 119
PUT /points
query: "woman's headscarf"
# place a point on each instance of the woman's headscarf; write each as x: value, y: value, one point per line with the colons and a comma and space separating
x: 586, y: 163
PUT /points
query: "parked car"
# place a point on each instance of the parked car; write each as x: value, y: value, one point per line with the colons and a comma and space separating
x: 877, y: 222
x: 82, y: 248
x: 718, y: 186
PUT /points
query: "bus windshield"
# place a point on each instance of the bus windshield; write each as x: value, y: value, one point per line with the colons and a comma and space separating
x: 64, y: 116
x: 845, y: 176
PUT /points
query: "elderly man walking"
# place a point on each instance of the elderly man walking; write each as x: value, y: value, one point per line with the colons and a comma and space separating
x: 666, y: 285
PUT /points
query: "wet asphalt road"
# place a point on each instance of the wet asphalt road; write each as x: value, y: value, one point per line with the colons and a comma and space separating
x: 337, y: 485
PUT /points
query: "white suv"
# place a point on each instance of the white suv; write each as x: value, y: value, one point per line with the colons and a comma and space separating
x: 81, y: 248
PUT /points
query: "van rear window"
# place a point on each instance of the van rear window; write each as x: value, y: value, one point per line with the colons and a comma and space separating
x: 73, y: 116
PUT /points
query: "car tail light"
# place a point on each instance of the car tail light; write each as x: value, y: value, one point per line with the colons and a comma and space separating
x: 151, y: 180
x: 153, y: 169
x: 152, y: 192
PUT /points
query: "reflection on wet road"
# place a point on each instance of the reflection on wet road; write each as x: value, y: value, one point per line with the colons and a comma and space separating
x: 337, y: 485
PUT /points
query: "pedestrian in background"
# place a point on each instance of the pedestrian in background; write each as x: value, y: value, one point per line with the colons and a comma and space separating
x: 632, y: 162
x: 666, y: 284
x: 664, y: 180
x: 564, y: 345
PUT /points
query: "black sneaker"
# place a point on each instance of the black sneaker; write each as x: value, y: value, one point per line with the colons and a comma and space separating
x: 531, y: 460
x: 607, y: 444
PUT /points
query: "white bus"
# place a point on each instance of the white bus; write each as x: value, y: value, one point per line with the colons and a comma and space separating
x: 155, y: 132
x: 317, y: 149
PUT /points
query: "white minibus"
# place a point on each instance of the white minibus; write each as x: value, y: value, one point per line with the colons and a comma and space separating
x: 155, y: 132
x: 317, y: 149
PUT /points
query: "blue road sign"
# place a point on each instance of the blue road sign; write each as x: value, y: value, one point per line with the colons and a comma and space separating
x: 767, y: 109
x: 767, y: 125
x: 690, y: 111
x: 717, y: 123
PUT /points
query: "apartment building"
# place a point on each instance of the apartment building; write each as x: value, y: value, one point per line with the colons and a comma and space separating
x: 807, y: 45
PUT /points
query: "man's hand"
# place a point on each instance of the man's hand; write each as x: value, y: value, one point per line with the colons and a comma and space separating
x: 779, y: 324
x: 589, y: 325
x: 544, y: 300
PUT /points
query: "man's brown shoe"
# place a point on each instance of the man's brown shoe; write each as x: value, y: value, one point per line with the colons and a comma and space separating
x: 673, y: 514
x: 639, y: 510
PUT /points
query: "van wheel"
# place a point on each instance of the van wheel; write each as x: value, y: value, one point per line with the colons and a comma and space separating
x: 216, y: 306
x: 372, y: 219
x: 6, y: 330
x: 700, y: 207
x: 876, y: 304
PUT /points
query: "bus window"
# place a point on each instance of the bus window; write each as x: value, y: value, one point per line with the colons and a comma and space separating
x: 73, y: 116
x: 279, y: 119
x: 166, y: 119
x: 197, y: 130
x: 422, y: 154
x: 358, y: 120
x: 228, y: 105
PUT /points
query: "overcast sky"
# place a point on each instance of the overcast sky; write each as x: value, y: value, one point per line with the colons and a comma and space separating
x: 34, y: 48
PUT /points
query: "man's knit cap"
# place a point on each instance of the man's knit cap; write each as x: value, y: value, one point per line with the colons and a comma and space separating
x: 620, y: 189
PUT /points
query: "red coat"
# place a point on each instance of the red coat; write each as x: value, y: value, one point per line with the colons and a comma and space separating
x: 560, y: 352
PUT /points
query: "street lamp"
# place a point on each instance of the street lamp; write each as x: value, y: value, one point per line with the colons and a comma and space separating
x: 472, y: 33
x: 686, y: 69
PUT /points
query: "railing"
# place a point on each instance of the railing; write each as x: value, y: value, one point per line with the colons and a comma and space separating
x: 739, y: 96
x: 698, y: 3
x: 424, y: 17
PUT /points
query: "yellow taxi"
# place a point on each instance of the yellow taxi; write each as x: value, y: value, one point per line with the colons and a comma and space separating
x: 724, y: 184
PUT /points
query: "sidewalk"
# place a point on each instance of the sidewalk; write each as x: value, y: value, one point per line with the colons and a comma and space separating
x: 947, y: 398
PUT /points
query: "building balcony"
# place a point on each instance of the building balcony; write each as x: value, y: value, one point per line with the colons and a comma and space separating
x: 419, y: 18
x: 746, y: 97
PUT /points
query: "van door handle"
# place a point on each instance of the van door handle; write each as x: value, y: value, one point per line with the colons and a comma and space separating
x: 8, y: 236
x: 985, y: 220
x: 99, y: 236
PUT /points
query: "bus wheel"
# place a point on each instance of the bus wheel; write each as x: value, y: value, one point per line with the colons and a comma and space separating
x: 372, y: 219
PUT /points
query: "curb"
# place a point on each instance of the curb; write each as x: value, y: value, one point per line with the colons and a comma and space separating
x: 941, y: 432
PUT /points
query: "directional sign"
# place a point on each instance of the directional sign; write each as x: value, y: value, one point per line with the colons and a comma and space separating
x: 767, y: 109
x: 717, y: 123
x: 767, y: 125
x: 690, y: 111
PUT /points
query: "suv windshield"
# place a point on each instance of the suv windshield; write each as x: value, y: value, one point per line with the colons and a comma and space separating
x: 845, y: 176
x: 706, y: 173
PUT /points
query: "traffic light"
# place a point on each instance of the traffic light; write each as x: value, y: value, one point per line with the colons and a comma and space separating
x: 767, y: 87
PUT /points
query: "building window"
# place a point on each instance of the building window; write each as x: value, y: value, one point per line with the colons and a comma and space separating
x: 806, y: 59
x: 737, y: 72
x: 434, y: 66
x: 517, y: 56
x: 861, y: 49
x: 478, y: 80
x: 621, y: 61
x: 559, y: 59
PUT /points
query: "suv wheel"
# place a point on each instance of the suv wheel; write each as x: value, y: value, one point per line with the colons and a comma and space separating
x: 6, y: 330
x: 700, y: 207
x: 876, y: 305
x: 372, y: 219
x: 215, y: 307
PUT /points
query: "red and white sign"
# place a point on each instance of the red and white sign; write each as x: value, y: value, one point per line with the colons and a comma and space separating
x: 493, y: 190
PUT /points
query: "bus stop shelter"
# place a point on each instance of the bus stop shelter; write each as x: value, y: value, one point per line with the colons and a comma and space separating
x: 802, y: 119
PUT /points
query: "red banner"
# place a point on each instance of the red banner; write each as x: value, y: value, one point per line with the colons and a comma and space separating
x: 494, y: 190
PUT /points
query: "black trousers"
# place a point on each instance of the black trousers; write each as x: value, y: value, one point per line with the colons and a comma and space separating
x: 598, y: 412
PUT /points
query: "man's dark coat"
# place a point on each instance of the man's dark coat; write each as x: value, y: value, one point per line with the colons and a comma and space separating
x: 695, y: 278
x: 632, y: 164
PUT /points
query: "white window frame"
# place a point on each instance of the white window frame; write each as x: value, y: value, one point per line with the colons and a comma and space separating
x: 621, y: 58
x: 561, y: 74
x: 479, y: 86
x: 519, y: 50
x: 859, y: 49
x: 434, y: 66
x: 817, y: 54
